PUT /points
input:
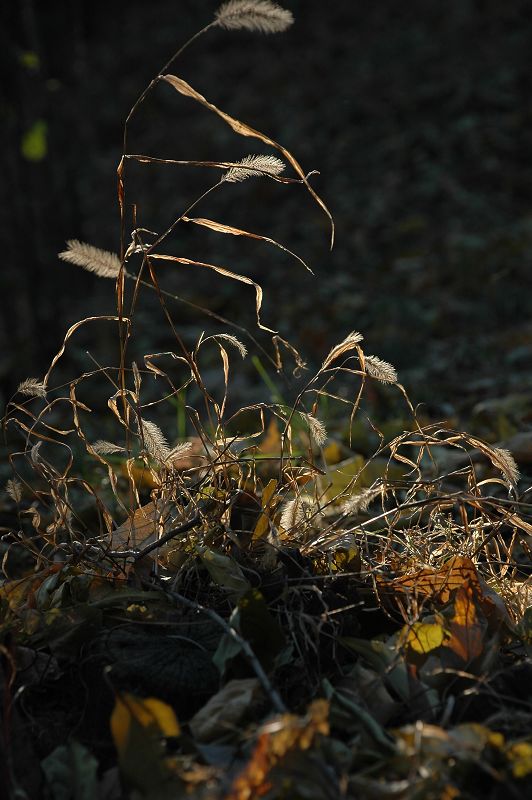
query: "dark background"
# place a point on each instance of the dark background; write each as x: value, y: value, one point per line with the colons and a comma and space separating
x: 418, y: 116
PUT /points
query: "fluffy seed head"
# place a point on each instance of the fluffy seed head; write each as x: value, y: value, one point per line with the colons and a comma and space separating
x: 227, y: 337
x: 253, y: 166
x: 293, y: 514
x: 178, y: 452
x: 14, y: 489
x: 104, y: 448
x: 361, y: 501
x: 32, y: 387
x: 101, y: 262
x: 349, y: 343
x: 254, y: 15
x: 504, y: 460
x: 154, y: 441
x: 316, y: 428
x: 379, y: 369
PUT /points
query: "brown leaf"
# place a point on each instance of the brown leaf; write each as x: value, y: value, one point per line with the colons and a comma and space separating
x: 277, y: 739
x: 438, y: 585
x: 221, y: 228
x: 226, y: 273
x: 465, y: 628
x: 146, y: 523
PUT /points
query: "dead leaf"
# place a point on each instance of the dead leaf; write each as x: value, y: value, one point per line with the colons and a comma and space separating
x: 268, y: 501
x: 221, y: 228
x: 438, y: 585
x: 278, y: 738
x: 148, y: 522
x: 223, y: 712
x: 466, y: 630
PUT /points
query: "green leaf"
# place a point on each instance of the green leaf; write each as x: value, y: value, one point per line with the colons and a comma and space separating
x: 34, y: 146
x: 225, y: 572
x: 384, y: 660
x: 70, y: 772
x: 30, y: 60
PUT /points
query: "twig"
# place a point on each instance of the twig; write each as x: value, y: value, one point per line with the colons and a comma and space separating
x: 138, y: 554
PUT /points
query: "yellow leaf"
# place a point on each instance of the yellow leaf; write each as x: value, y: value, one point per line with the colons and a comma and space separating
x: 140, y: 474
x: 425, y: 636
x: 333, y: 453
x: 157, y: 718
x: 271, y: 444
x: 520, y: 755
x: 263, y: 524
x: 357, y: 473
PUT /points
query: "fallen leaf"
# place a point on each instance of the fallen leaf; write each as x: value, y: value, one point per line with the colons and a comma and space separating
x: 222, y: 714
x: 466, y: 630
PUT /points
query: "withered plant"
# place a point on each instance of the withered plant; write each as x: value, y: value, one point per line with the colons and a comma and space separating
x: 207, y: 518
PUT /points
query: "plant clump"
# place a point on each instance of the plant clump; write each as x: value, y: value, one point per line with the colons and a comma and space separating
x: 237, y: 602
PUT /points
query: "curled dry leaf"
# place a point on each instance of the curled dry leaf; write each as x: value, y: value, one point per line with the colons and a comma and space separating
x: 226, y: 273
x: 349, y: 343
x: 221, y: 228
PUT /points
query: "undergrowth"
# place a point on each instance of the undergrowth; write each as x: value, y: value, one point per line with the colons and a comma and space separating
x: 253, y: 609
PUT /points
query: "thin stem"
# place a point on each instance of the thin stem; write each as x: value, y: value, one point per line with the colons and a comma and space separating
x: 155, y: 80
x: 163, y: 236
